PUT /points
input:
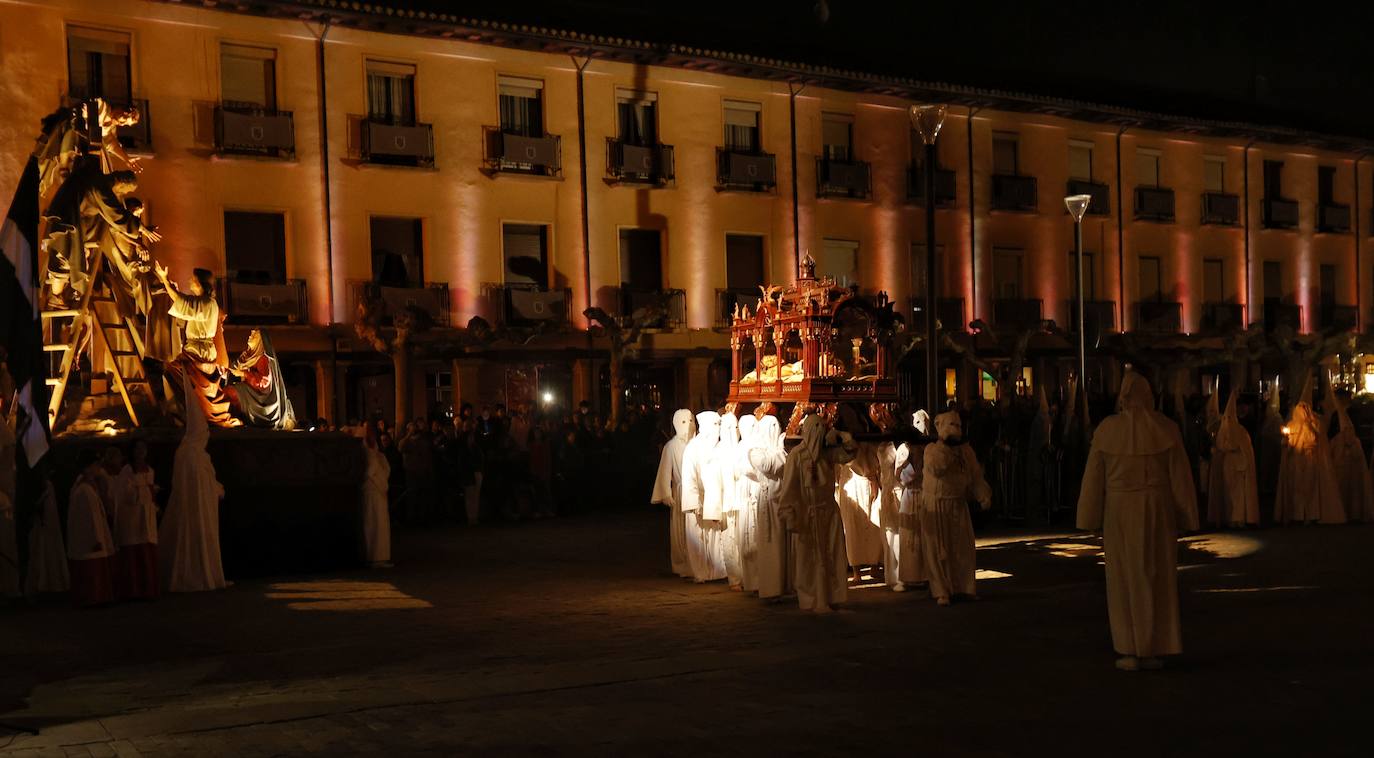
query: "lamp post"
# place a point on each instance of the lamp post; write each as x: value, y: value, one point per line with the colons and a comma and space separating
x: 1078, y: 205
x: 927, y: 119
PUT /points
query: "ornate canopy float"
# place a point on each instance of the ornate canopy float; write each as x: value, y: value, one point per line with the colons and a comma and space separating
x: 817, y: 346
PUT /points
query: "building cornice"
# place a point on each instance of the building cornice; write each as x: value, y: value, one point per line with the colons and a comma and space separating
x: 405, y: 21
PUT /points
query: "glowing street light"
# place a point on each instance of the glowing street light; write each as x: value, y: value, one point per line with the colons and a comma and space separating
x: 1078, y: 205
x: 927, y: 120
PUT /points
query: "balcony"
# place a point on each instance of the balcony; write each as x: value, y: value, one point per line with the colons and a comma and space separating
x: 1280, y: 213
x: 949, y: 314
x: 741, y: 170
x: 396, y: 143
x: 1154, y: 204
x: 730, y: 298
x: 258, y: 302
x: 247, y: 130
x: 519, y: 154
x: 1338, y: 318
x: 944, y: 185
x: 674, y: 303
x: 1101, y: 204
x: 530, y: 305
x: 1220, y: 208
x: 1098, y: 316
x: 1159, y: 318
x: 843, y: 179
x: 1014, y: 193
x: 430, y: 299
x: 639, y: 164
x: 1223, y: 317
x: 1016, y: 314
x: 1282, y: 315
x: 1333, y: 218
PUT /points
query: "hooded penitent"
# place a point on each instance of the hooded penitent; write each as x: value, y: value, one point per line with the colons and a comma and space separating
x: 951, y: 478
x: 767, y: 456
x: 1349, y: 465
x: 808, y: 505
x: 701, y: 495
x: 746, y: 497
x: 1232, y: 491
x: 1138, y: 491
x: 668, y: 490
x: 188, y: 538
x: 1307, y: 488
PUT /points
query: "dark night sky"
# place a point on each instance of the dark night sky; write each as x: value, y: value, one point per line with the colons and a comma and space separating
x: 1301, y: 64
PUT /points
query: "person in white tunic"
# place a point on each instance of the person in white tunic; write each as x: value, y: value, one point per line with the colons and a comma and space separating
x: 135, y: 531
x: 858, y: 496
x: 743, y: 519
x: 1138, y: 492
x: 189, y: 538
x: 48, y: 570
x: 701, y: 495
x: 376, y: 512
x: 725, y: 459
x: 951, y: 476
x: 773, y: 561
x: 904, y: 564
x: 1307, y: 489
x: 1349, y: 464
x: 1233, y: 487
x: 808, y: 507
x: 668, y: 491
x: 90, y: 545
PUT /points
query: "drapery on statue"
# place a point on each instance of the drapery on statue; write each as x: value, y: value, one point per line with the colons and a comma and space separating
x: 89, y: 216
x: 200, y: 358
x: 257, y: 389
x: 65, y: 133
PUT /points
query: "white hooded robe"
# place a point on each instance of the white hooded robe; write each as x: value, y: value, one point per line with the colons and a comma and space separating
x: 701, y: 495
x: 189, y: 537
x: 951, y: 476
x: 773, y: 555
x: 376, y: 512
x: 668, y: 491
x: 807, y: 504
x: 1232, y: 489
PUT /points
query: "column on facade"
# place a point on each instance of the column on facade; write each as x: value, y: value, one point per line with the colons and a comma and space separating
x: 698, y: 381
x: 325, y: 390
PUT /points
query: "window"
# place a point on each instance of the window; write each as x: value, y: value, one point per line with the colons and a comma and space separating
x: 248, y: 77
x: 526, y: 250
x: 1273, y: 179
x: 391, y: 93
x: 1326, y: 185
x: 839, y: 259
x: 1273, y: 282
x: 522, y: 106
x: 1081, y: 161
x: 1213, y: 283
x: 637, y: 117
x: 837, y: 136
x: 255, y: 247
x: 1328, y: 285
x: 98, y: 64
x: 1007, y: 276
x: 744, y: 263
x: 1151, y: 290
x: 918, y: 269
x: 1089, y: 276
x: 1147, y: 168
x: 1004, y: 154
x: 439, y: 388
x: 742, y: 126
x: 398, y: 251
x: 1214, y: 173
x: 641, y: 260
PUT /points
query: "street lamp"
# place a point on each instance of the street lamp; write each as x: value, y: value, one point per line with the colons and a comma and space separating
x: 1078, y: 205
x: 927, y: 119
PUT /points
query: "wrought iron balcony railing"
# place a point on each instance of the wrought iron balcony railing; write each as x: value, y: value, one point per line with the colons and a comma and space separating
x: 248, y: 130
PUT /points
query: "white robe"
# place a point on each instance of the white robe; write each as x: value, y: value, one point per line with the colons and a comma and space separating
x: 136, y: 512
x: 48, y: 570
x: 702, y: 509
x: 726, y: 460
x: 951, y: 476
x: 903, y: 561
x: 1232, y: 488
x: 1307, y: 484
x: 668, y: 491
x: 807, y: 504
x: 772, y: 570
x: 1352, y: 471
x: 1138, y: 491
x: 376, y: 513
x: 189, y: 538
x: 858, y: 495
x: 745, y: 519
x: 88, y: 528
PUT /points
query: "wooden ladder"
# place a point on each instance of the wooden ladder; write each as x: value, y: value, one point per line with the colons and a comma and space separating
x: 115, y: 335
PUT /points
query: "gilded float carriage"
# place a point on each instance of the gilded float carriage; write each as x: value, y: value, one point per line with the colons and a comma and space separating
x: 816, y: 344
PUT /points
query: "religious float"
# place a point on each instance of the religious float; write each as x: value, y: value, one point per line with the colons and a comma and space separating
x: 816, y: 346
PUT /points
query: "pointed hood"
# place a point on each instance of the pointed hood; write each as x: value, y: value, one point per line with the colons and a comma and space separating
x: 1229, y: 429
x: 1213, y: 401
x: 1137, y: 428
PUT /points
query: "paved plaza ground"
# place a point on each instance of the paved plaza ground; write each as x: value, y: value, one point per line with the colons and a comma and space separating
x: 569, y: 637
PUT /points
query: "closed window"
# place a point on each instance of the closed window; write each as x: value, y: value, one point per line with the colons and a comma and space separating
x: 522, y: 106
x: 398, y: 258
x: 641, y: 260
x: 1007, y: 274
x: 1147, y: 168
x: 1273, y: 179
x: 391, y: 93
x: 1327, y: 276
x: 1213, y: 281
x: 1214, y: 174
x: 837, y: 135
x: 1151, y: 280
x: 526, y: 250
x: 637, y: 117
x: 1005, y: 154
x: 248, y: 77
x: 1081, y: 161
x: 744, y: 264
x: 1326, y: 185
x: 840, y: 260
x: 1273, y: 281
x: 98, y: 64
x: 742, y: 126
x: 255, y: 247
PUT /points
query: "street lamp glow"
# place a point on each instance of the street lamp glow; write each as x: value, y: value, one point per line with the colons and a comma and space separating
x: 1078, y: 205
x: 547, y: 398
x: 927, y: 119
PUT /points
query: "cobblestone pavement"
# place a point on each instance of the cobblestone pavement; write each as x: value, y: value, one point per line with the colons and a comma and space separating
x: 568, y: 636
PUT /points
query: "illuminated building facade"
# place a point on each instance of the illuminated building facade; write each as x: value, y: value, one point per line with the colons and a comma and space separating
x: 449, y: 175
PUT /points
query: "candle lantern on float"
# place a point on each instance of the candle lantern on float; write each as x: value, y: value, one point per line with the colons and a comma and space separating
x: 815, y: 344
